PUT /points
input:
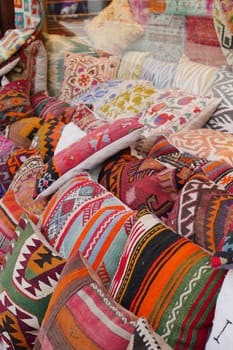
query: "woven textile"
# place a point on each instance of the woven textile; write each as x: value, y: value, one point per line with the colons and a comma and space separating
x: 169, y: 280
x: 50, y: 108
x: 10, y: 213
x: 131, y: 64
x: 202, y: 212
x: 82, y: 315
x: 17, y: 158
x: 145, y: 182
x: 84, y: 216
x: 15, y: 102
x: 27, y: 281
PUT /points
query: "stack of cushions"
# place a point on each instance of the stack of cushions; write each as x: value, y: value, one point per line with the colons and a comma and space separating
x: 169, y: 280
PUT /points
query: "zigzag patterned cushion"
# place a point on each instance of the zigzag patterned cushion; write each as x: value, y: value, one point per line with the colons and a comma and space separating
x: 169, y: 280
x: 82, y: 309
x: 223, y: 88
x: 27, y: 282
x: 84, y: 216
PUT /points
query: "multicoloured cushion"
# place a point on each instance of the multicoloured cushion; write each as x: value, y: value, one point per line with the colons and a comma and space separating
x: 50, y: 108
x: 131, y: 64
x: 145, y: 182
x: 47, y: 138
x: 114, y: 28
x: 32, y: 67
x: 17, y: 158
x: 81, y: 72
x: 81, y: 303
x: 7, y: 148
x: 82, y: 215
x: 90, y: 151
x: 202, y: 212
x: 27, y: 282
x: 23, y: 184
x: 10, y: 213
x: 14, y: 102
x: 222, y: 118
x: 55, y: 46
x: 173, y: 110
x: 206, y: 143
x: 85, y: 118
x: 169, y: 280
x: 22, y: 131
x: 160, y: 73
x: 223, y: 256
x: 194, y: 78
x: 129, y: 102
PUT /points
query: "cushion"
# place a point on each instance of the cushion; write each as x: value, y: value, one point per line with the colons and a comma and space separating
x: 146, y: 182
x: 47, y: 137
x: 221, y: 335
x: 17, y: 158
x: 23, y: 183
x: 206, y: 143
x: 7, y: 148
x: 202, y: 211
x: 70, y: 133
x: 27, y: 282
x: 50, y: 108
x: 194, y: 78
x: 173, y: 110
x: 160, y: 73
x: 85, y: 118
x: 223, y: 256
x: 32, y: 67
x: 55, y: 46
x: 131, y: 64
x: 87, y: 153
x: 169, y: 280
x: 222, y: 118
x: 15, y: 102
x: 181, y: 7
x: 81, y: 303
x: 10, y: 213
x: 84, y: 216
x: 22, y: 131
x: 7, y: 66
x: 81, y: 72
x: 114, y: 28
x: 130, y: 102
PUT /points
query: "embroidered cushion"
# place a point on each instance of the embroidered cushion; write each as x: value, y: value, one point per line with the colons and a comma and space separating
x: 56, y: 45
x: 130, y: 102
x: 206, y: 143
x: 50, y: 108
x: 81, y: 72
x: 202, y: 211
x: 87, y: 153
x: 114, y: 28
x: 82, y: 215
x: 222, y: 118
x: 27, y: 282
x: 169, y: 280
x: 15, y: 102
x: 82, y: 303
x: 174, y: 110
x: 194, y: 78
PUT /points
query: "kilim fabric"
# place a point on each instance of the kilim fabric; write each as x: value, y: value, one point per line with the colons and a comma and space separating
x: 86, y: 119
x: 17, y: 158
x: 84, y: 216
x: 82, y: 315
x: 146, y: 182
x: 202, y: 211
x: 219, y: 172
x: 10, y: 213
x: 50, y: 108
x: 222, y: 118
x: 169, y: 280
x: 223, y: 257
x: 47, y: 137
x: 27, y: 282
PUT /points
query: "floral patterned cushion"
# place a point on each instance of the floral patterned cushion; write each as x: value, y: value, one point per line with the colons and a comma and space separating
x: 82, y: 72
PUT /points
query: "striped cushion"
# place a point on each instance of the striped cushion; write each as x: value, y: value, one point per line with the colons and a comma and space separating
x: 84, y: 216
x: 131, y: 64
x: 82, y: 315
x: 195, y: 78
x: 169, y: 280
